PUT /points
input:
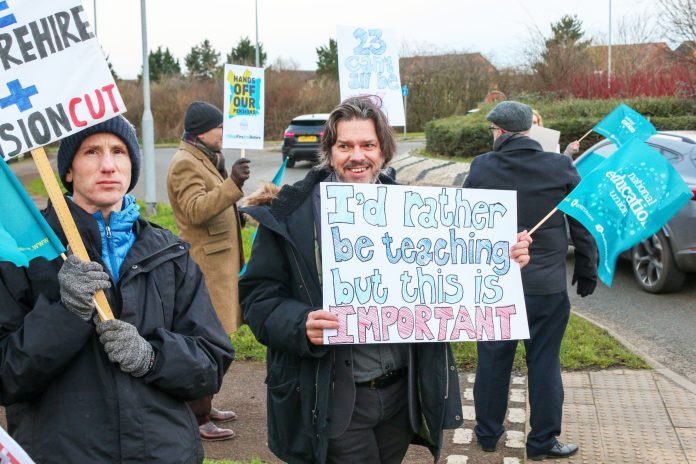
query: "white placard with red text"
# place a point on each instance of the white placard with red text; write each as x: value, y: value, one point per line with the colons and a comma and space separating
x: 11, y: 452
x: 420, y: 264
x: 54, y: 78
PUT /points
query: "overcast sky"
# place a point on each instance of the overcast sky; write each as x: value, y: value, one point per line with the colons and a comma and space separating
x: 293, y: 29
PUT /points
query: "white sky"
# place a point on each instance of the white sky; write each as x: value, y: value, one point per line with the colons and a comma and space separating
x: 293, y: 29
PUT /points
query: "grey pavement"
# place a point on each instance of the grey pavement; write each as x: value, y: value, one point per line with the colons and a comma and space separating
x: 616, y: 416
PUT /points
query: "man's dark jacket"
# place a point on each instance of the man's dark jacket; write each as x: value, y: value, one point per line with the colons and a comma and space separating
x: 542, y: 180
x: 280, y: 287
x: 66, y: 402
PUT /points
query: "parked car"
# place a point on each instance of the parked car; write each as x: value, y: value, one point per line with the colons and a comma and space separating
x: 302, y: 137
x: 660, y: 263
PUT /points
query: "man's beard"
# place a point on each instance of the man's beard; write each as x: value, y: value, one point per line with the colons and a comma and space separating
x: 367, y: 166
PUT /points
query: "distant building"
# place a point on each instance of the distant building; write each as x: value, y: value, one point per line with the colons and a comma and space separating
x: 472, y: 62
x: 687, y: 50
x: 626, y: 58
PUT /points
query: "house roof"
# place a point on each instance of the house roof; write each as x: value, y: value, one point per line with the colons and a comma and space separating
x: 641, y: 54
x: 435, y: 62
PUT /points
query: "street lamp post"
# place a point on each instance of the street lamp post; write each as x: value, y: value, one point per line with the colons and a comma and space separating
x: 256, y: 6
x: 609, y: 52
x: 147, y: 122
x: 95, y: 17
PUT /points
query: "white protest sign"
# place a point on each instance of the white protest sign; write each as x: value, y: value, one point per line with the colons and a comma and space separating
x: 10, y: 451
x: 368, y: 64
x: 242, y: 125
x: 420, y: 264
x: 55, y: 80
x: 547, y: 138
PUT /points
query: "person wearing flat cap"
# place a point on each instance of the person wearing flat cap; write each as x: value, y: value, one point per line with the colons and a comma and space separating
x: 204, y: 201
x: 78, y: 389
x: 542, y: 180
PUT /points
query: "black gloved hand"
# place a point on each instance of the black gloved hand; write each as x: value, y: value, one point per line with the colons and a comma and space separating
x: 586, y: 286
x: 240, y: 171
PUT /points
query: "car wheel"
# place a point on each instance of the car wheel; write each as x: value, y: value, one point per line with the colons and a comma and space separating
x: 654, y: 266
x: 291, y: 163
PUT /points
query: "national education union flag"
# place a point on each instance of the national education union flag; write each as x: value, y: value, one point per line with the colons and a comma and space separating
x: 624, y: 124
x: 625, y: 200
x: 24, y: 233
x: 588, y: 163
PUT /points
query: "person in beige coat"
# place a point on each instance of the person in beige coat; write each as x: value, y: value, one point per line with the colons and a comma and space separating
x: 204, y: 201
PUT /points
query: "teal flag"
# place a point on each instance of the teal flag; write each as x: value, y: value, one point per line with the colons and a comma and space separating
x: 277, y: 179
x: 625, y: 200
x: 624, y: 124
x: 588, y: 163
x: 24, y: 233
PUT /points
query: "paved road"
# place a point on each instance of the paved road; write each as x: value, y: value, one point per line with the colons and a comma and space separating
x: 264, y: 166
x: 661, y: 326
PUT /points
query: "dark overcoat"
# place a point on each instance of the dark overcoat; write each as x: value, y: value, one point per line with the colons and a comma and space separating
x: 542, y: 180
x: 280, y: 287
x: 66, y: 402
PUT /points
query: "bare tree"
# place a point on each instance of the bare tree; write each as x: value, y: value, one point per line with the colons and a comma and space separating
x: 678, y: 19
x: 444, y: 84
x: 678, y: 23
x: 636, y: 28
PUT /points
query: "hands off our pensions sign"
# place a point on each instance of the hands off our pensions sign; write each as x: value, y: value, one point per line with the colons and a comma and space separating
x: 54, y: 80
x: 420, y: 264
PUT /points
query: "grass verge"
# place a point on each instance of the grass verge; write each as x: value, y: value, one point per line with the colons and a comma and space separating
x: 427, y: 154
x: 36, y: 187
x: 584, y: 346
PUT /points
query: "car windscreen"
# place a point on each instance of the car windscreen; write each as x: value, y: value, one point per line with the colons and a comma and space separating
x: 308, y: 123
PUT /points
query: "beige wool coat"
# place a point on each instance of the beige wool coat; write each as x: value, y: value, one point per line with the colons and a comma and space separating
x: 205, y: 210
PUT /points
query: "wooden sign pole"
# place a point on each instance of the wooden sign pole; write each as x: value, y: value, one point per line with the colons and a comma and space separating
x: 543, y: 220
x: 67, y: 223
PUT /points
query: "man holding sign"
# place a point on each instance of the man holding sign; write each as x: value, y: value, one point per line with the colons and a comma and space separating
x: 339, y: 403
x: 542, y: 180
x: 116, y: 392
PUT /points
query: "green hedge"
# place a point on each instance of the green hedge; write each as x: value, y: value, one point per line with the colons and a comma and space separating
x: 469, y: 135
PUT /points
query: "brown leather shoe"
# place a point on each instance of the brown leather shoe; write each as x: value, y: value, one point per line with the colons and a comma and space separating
x: 211, y: 432
x: 222, y: 416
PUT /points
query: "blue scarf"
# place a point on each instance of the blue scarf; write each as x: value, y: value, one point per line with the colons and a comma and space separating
x: 118, y: 242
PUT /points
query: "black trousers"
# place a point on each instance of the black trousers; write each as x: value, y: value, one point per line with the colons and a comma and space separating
x: 201, y: 409
x: 379, y: 429
x: 548, y: 317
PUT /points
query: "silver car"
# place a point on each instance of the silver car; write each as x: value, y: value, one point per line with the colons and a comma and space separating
x: 661, y: 262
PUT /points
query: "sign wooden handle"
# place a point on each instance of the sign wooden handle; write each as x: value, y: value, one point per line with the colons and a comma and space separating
x: 542, y: 221
x: 67, y: 223
x: 586, y: 134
